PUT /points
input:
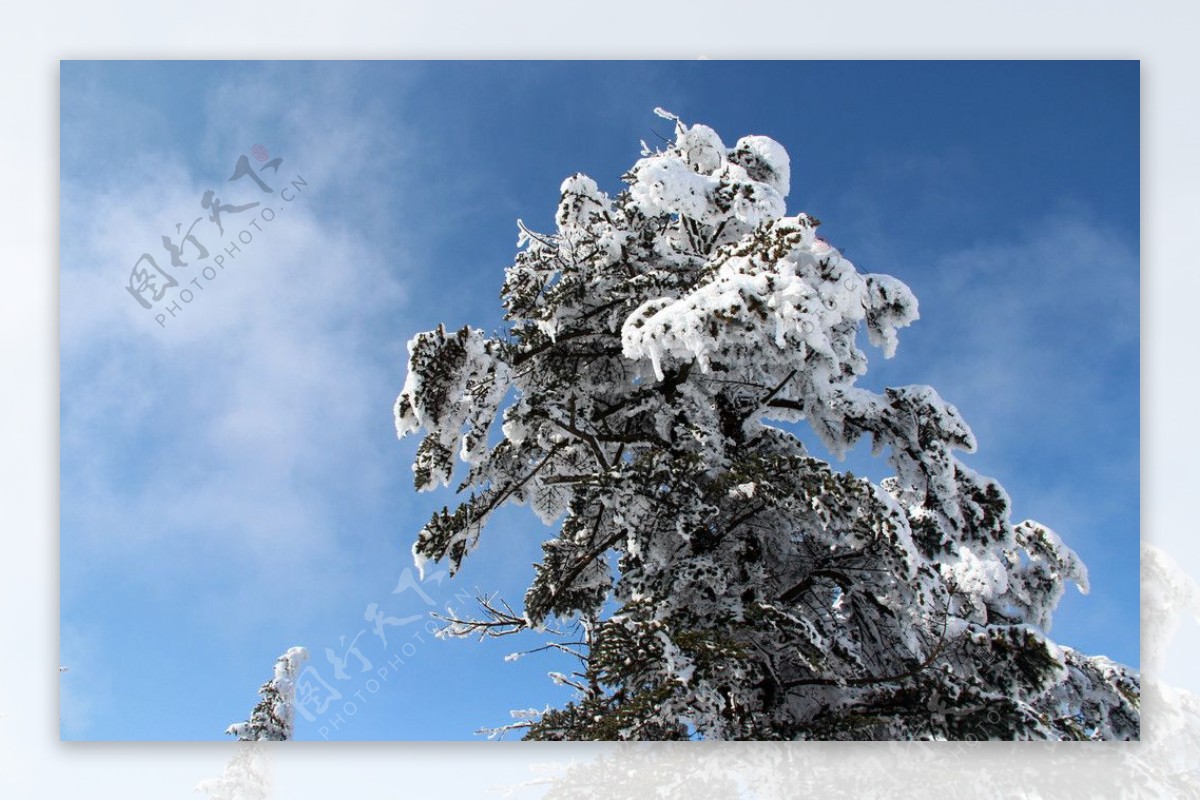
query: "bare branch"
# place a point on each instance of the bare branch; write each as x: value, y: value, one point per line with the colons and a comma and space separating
x: 499, y: 622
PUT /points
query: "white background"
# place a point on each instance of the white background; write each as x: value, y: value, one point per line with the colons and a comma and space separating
x: 33, y: 763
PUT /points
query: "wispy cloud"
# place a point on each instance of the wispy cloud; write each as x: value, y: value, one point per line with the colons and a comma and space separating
x: 236, y: 440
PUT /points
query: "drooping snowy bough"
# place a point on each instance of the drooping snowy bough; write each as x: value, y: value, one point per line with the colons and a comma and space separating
x: 727, y: 583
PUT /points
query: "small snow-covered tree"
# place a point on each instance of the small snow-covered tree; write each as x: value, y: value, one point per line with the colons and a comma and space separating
x: 662, y: 348
x: 273, y: 716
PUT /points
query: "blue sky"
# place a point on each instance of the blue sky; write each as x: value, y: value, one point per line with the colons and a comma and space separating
x: 231, y: 482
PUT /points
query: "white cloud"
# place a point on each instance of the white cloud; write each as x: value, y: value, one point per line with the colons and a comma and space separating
x: 1029, y: 330
x: 236, y: 438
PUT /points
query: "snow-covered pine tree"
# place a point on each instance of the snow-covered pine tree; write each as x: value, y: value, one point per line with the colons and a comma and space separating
x: 661, y: 347
x: 273, y: 716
